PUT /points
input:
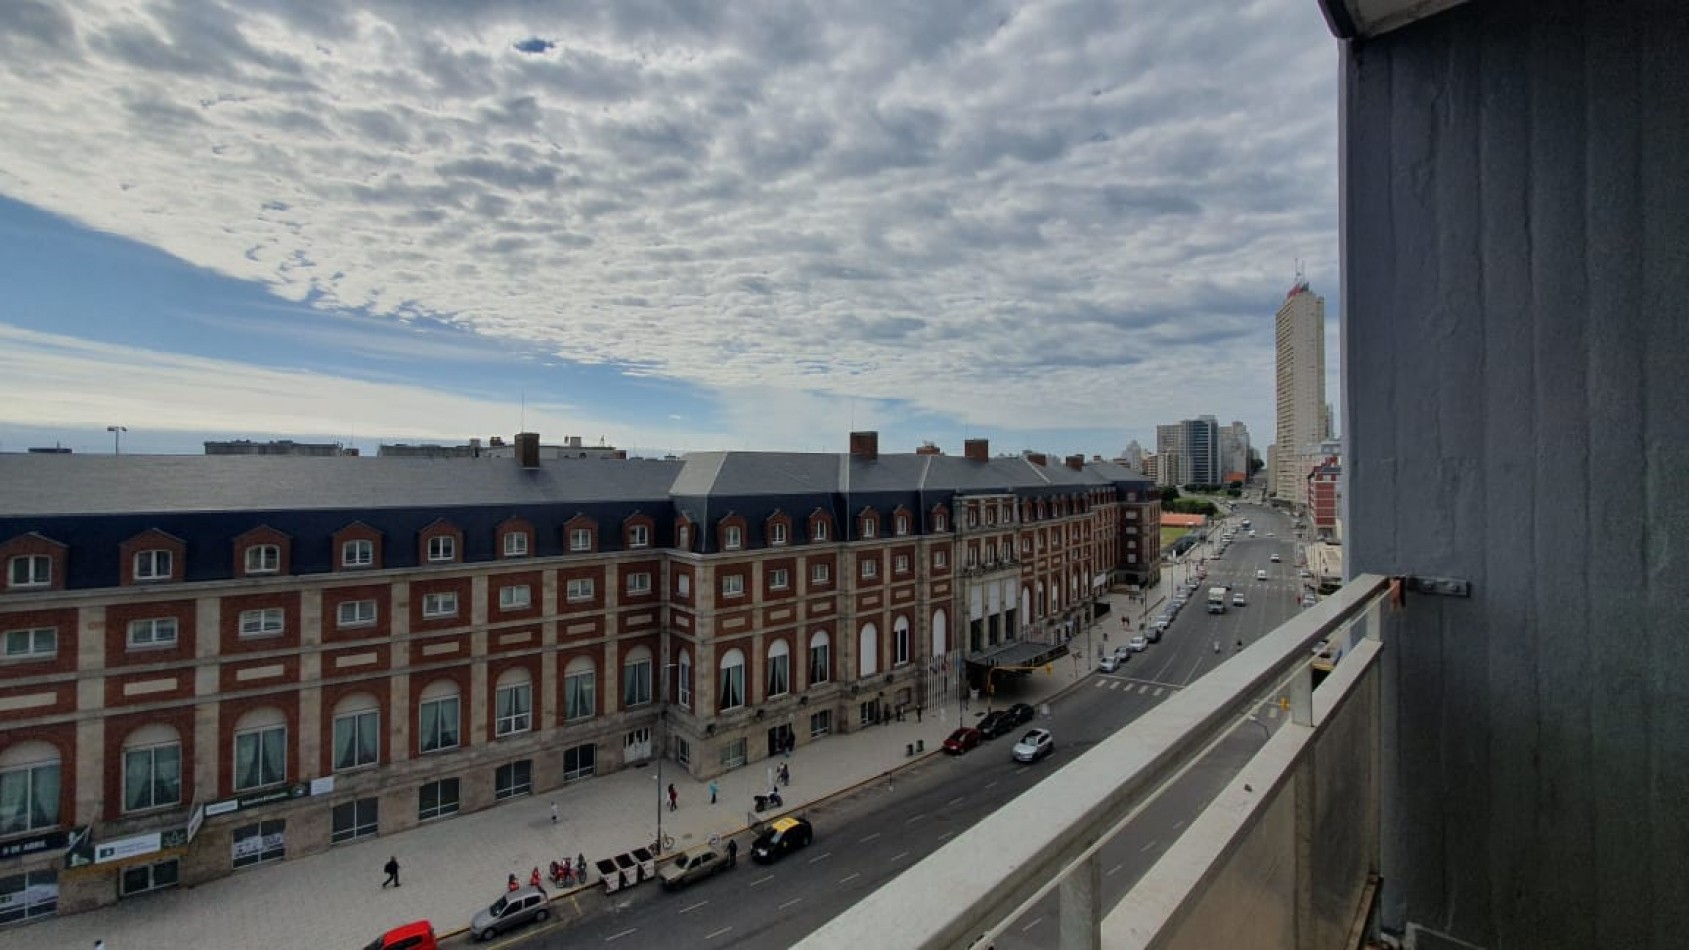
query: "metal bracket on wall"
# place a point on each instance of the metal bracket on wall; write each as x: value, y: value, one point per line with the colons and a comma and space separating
x: 1442, y: 586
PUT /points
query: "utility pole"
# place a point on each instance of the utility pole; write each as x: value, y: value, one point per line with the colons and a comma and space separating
x: 117, y: 438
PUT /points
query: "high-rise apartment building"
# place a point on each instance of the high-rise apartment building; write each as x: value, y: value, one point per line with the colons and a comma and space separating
x: 1133, y: 456
x: 1302, y: 413
x: 1234, y: 451
x: 1190, y: 452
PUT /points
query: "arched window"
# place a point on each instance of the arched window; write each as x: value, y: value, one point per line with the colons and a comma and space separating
x: 685, y: 678
x: 820, y: 657
x: 732, y: 680
x: 29, y: 787
x: 940, y: 633
x: 779, y: 681
x: 152, y: 768
x: 260, y: 749
x: 901, y: 647
x: 438, y: 716
x: 580, y: 682
x: 636, y: 677
x: 357, y: 732
x: 514, y: 702
x: 868, y: 650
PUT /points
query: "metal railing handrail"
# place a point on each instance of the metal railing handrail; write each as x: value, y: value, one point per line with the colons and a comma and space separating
x: 978, y: 878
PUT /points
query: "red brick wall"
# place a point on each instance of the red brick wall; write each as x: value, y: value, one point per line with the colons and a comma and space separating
x: 230, y: 642
x: 118, y: 729
x: 229, y: 714
x: 118, y: 617
x: 63, y: 620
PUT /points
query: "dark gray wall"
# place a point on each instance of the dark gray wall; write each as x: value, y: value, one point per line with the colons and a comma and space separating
x: 1516, y: 382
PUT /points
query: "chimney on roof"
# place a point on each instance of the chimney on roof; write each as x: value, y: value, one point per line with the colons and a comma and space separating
x: 528, y: 449
x: 927, y: 448
x: 475, y: 448
x: 865, y: 445
x: 977, y: 449
x: 1076, y: 462
x: 1038, y: 458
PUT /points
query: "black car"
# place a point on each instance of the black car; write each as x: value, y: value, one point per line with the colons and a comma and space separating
x: 995, y: 724
x: 781, y: 837
x: 1021, y: 713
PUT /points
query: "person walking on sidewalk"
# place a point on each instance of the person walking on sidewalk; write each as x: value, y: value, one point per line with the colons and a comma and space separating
x: 785, y: 774
x: 714, y: 789
x: 732, y: 852
x: 392, y: 870
x: 674, y: 797
x: 554, y: 813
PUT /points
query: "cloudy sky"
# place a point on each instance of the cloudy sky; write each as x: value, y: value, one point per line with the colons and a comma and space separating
x: 667, y: 224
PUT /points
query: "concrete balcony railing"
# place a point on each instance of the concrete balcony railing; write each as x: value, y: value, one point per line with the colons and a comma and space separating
x: 1285, y: 855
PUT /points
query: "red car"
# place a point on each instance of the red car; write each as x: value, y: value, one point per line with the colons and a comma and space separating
x: 416, y: 936
x: 962, y: 740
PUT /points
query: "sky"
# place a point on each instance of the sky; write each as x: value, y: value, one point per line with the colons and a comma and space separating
x: 665, y: 225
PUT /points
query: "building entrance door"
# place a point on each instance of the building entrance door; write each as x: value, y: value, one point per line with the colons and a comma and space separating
x: 780, y: 739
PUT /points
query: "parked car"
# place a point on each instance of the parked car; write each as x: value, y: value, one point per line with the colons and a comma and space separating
x: 781, y: 837
x: 962, y: 740
x: 1237, y: 600
x: 693, y: 864
x: 1261, y: 575
x: 1275, y: 559
x: 994, y: 724
x: 1109, y: 664
x: 1137, y: 644
x: 413, y: 936
x: 1034, y: 745
x: 1021, y: 713
x: 521, y: 906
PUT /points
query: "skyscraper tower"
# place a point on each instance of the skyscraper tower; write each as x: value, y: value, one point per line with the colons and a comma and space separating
x: 1301, y: 388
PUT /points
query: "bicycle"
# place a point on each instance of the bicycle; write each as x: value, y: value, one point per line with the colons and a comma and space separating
x: 665, y: 843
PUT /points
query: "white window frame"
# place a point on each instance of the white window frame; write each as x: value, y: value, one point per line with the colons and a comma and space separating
x: 441, y: 603
x: 777, y: 533
x: 513, y: 706
x: 442, y: 549
x: 939, y: 522
x: 779, y: 579
x: 263, y: 559
x: 639, y: 583
x: 683, y: 585
x: 639, y: 536
x: 637, y: 684
x: 683, y: 681
x: 442, y: 808
x: 820, y: 574
x: 870, y: 528
x: 824, y: 653
x: 152, y: 631
x: 516, y: 544
x: 30, y: 570
x: 427, y: 744
x: 732, y: 681
x: 29, y: 643
x: 146, y: 565
x: 360, y: 721
x: 732, y: 538
x: 940, y: 558
x: 778, y: 680
x: 358, y: 552
x: 515, y: 597
x: 901, y: 645
x: 263, y: 622
x: 900, y: 564
x: 258, y: 735
x: 580, y: 589
x: 356, y: 610
x: 580, y: 540
x: 870, y: 567
x: 819, y: 531
x: 732, y: 585
x: 33, y: 816
x: 580, y: 694
x: 154, y: 800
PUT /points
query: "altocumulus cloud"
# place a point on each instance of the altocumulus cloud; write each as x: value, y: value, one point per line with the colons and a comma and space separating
x: 910, y: 201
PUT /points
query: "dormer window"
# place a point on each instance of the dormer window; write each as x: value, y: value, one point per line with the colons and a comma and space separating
x: 441, y: 549
x: 870, y: 528
x: 777, y: 533
x: 516, y: 544
x: 359, y: 552
x: 639, y: 536
x: 973, y: 517
x: 818, y: 531
x: 683, y: 537
x: 580, y: 540
x: 263, y: 559
x: 732, y: 539
x: 940, y: 522
x: 153, y: 565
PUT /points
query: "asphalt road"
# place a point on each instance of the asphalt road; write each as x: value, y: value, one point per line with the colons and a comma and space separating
x: 865, y: 839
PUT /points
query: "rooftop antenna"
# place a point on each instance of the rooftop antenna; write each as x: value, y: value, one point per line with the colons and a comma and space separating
x: 522, y: 417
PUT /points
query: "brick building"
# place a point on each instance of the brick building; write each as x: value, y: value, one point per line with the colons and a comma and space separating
x: 211, y: 662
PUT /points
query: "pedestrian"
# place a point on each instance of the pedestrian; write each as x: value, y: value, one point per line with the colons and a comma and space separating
x: 554, y: 813
x: 392, y: 870
x: 732, y: 852
x: 674, y: 797
x: 580, y: 868
x: 785, y: 774
x: 534, y: 877
x: 1240, y: 643
x: 511, y: 884
x: 917, y: 713
x: 99, y: 945
x: 714, y: 790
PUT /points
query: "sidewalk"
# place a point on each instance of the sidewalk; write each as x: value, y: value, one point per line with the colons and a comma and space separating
x: 452, y: 868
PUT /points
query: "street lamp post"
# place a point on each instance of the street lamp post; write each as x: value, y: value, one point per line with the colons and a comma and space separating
x: 117, y: 438
x: 661, y: 751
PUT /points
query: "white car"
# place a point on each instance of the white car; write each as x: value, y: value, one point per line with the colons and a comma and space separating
x: 1237, y: 600
x: 1261, y: 575
x: 1137, y: 644
x: 1109, y: 664
x: 1275, y: 559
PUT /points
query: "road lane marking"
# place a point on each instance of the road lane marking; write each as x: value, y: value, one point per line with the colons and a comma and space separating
x: 619, y: 936
x: 1178, y: 824
x: 870, y: 838
x: 688, y: 910
x: 821, y: 857
x: 717, y: 933
x: 1146, y: 847
x: 1158, y: 691
x: 955, y: 801
x: 945, y: 835
x: 850, y: 877
x: 762, y: 880
x: 900, y: 854
x: 795, y: 900
x: 1111, y: 870
x: 993, y: 784
x: 1035, y: 922
x: 910, y: 821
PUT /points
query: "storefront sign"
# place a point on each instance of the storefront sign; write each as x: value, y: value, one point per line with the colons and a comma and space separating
x: 79, y: 851
x: 195, y: 820
x: 268, y: 796
x: 127, y: 848
x: 51, y: 841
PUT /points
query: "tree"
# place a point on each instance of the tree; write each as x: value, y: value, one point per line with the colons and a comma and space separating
x: 1169, y: 495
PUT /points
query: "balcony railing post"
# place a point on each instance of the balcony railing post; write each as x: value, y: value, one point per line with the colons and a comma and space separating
x: 1082, y: 907
x: 1302, y: 697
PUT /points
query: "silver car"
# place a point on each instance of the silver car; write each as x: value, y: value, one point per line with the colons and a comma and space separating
x: 521, y: 906
x: 1034, y: 745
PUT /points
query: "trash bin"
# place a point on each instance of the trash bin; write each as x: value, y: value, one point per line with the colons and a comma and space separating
x: 908, y: 749
x: 920, y: 745
x: 647, y: 863
x: 609, y: 874
x: 628, y: 868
